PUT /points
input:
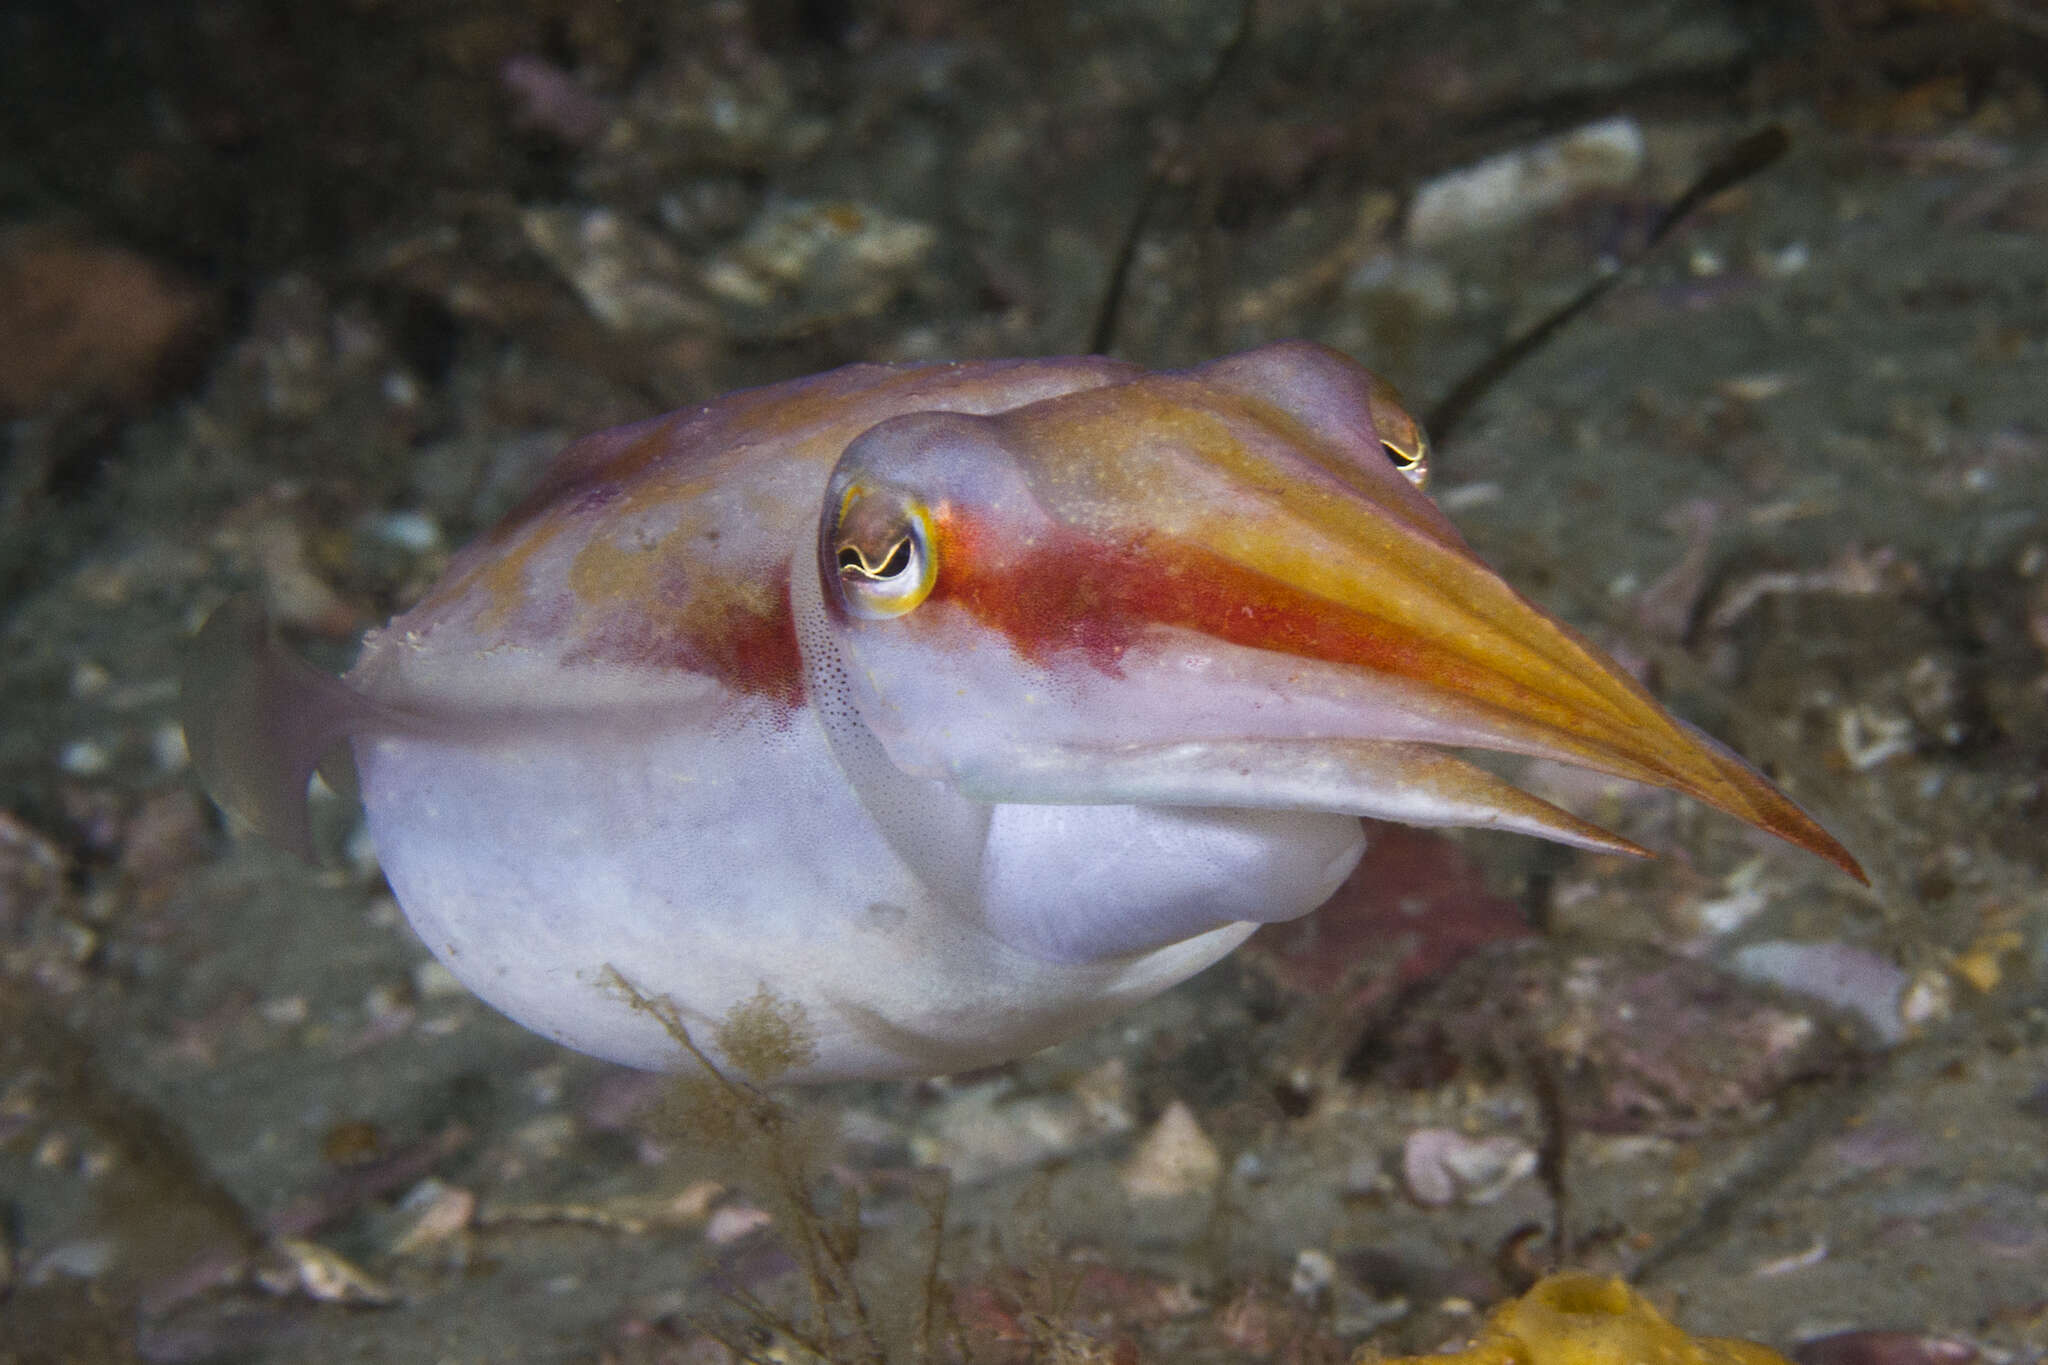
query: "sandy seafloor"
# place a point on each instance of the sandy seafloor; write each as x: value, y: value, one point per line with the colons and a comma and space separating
x: 299, y: 306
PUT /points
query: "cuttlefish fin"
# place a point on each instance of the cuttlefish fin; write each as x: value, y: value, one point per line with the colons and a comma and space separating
x: 1414, y: 784
x: 259, y: 721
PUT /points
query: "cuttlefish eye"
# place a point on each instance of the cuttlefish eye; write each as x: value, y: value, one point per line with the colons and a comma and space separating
x: 1401, y: 436
x: 882, y: 547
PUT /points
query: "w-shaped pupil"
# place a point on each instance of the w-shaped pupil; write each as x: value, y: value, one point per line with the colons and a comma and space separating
x: 852, y: 560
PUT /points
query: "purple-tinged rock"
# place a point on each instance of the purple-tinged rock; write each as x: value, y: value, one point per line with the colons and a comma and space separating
x: 1852, y: 979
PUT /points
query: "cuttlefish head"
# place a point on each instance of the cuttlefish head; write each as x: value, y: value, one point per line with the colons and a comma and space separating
x: 1222, y: 587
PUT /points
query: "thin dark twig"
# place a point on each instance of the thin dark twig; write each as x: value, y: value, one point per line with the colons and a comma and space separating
x: 927, y: 1318
x: 1102, y: 337
x: 1743, y: 160
x: 1554, y: 1150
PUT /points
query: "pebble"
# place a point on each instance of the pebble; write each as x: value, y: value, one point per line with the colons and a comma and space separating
x: 85, y: 758
x: 167, y: 748
x: 409, y: 530
x: 1849, y: 978
x: 1175, y: 1159
x: 804, y: 264
x: 546, y: 1137
x: 733, y: 1222
x: 1798, y: 1260
x: 85, y: 1259
x: 443, y: 1211
x: 1314, y: 1273
x: 432, y: 981
x: 1518, y: 185
x: 1363, y: 1176
x: 629, y: 278
x: 1440, y: 1166
x: 1744, y: 896
x: 1929, y: 999
x: 325, y: 1276
x: 984, y: 1130
x: 89, y: 680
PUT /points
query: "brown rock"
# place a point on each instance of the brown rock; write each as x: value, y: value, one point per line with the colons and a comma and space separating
x: 1638, y: 1041
x: 86, y: 324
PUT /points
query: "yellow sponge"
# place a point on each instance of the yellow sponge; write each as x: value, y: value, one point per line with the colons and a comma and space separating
x: 1578, y: 1319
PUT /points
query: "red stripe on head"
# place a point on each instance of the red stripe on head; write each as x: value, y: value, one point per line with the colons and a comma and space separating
x: 1062, y: 592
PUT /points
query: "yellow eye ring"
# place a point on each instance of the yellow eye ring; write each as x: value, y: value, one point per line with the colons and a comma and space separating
x: 1401, y: 436
x: 885, y: 569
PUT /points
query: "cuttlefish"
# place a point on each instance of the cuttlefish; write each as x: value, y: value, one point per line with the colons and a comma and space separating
x: 945, y: 709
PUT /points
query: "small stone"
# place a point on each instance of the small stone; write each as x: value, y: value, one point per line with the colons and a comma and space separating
x: 1105, y: 1095
x: 982, y: 1130
x: 546, y: 1137
x: 803, y: 265
x: 326, y: 1276
x: 270, y: 533
x: 1314, y: 1273
x: 412, y: 530
x: 85, y: 758
x: 1440, y: 1167
x: 629, y: 278
x: 89, y: 680
x: 1846, y: 977
x: 1870, y: 736
x: 1516, y: 186
x: 1939, y: 700
x: 84, y: 1259
x: 387, y: 1002
x: 1744, y: 895
x: 1929, y: 999
x: 53, y: 1152
x: 734, y: 1222
x: 544, y: 1083
x: 444, y: 1211
x: 1176, y: 1158
x: 353, y: 1143
x: 1796, y: 1261
x: 167, y: 748
x: 432, y: 981
x: 1354, y: 1312
x: 1363, y: 1176
x: 1786, y: 261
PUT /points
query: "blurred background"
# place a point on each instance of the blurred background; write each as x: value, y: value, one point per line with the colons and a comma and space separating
x: 299, y: 298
